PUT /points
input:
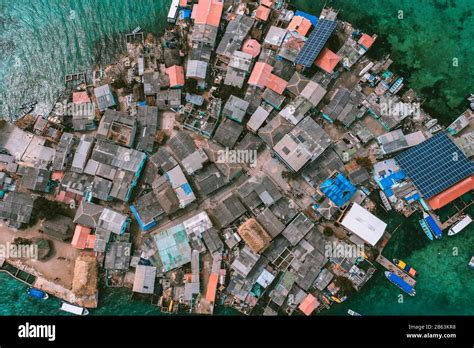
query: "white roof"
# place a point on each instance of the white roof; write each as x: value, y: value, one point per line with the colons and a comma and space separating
x: 365, y: 224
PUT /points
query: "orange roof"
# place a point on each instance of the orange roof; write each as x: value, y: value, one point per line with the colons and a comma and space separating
x: 260, y: 74
x: 176, y: 74
x: 300, y: 24
x: 90, y: 241
x: 57, y: 176
x: 183, y: 3
x: 208, y: 12
x: 309, y: 304
x: 212, y: 287
x: 449, y: 195
x: 262, y: 13
x: 80, y: 97
x: 327, y: 60
x: 65, y: 197
x: 81, y: 234
x: 366, y: 40
x: 252, y: 47
x: 276, y: 84
x: 268, y: 3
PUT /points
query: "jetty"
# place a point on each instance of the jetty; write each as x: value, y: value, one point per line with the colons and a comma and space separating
x: 17, y: 273
x: 386, y: 263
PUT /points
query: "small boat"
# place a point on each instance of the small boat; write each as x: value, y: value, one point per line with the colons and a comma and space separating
x: 353, y: 313
x: 36, y: 293
x: 336, y: 299
x: 24, y: 112
x: 471, y: 263
x: 405, y: 267
x: 385, y: 201
x: 136, y: 30
x: 459, y: 226
x: 431, y: 123
x: 400, y: 283
x: 435, y: 129
x: 437, y: 233
x: 67, y: 307
x: 426, y: 229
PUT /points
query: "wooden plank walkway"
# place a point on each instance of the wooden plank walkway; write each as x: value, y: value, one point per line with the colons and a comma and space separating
x: 392, y: 268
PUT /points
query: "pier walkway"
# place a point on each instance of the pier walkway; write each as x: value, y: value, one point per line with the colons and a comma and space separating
x: 392, y: 268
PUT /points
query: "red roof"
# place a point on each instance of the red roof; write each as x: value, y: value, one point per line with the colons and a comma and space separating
x: 90, y: 241
x: 300, y: 24
x: 262, y: 13
x: 366, y: 40
x: 81, y: 234
x: 208, y: 12
x: 260, y: 74
x: 176, y: 74
x: 309, y: 304
x: 268, y: 3
x: 80, y: 97
x: 252, y: 47
x: 327, y: 60
x: 212, y: 287
x: 449, y: 195
x: 276, y: 84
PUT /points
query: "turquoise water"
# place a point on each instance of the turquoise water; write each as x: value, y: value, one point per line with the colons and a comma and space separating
x: 43, y: 40
x: 423, y: 44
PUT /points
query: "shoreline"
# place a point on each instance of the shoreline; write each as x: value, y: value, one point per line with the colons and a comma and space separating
x: 64, y: 251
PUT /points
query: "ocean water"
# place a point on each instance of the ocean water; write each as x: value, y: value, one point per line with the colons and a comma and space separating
x: 43, y: 40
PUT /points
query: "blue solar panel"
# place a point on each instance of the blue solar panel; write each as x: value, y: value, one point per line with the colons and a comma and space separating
x: 315, y: 42
x: 435, y: 165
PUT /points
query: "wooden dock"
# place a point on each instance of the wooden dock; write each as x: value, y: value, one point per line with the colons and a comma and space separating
x: 392, y: 268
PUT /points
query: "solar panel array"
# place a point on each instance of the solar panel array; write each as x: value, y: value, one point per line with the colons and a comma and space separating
x: 315, y: 42
x: 435, y: 165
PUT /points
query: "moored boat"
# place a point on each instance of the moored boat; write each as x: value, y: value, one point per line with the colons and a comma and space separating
x: 36, y: 293
x: 67, y: 307
x: 400, y: 283
x: 353, y: 313
x: 471, y: 263
x: 437, y: 233
x: 426, y: 229
x: 385, y: 201
x: 459, y: 226
x: 405, y: 267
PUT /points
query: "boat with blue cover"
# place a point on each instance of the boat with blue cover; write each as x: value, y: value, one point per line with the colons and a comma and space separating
x: 36, y: 293
x: 438, y: 234
x: 400, y: 283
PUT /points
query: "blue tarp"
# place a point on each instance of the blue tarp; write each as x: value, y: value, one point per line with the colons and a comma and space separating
x: 339, y: 190
x: 388, y: 181
x: 434, y: 227
x: 187, y: 189
x: 184, y: 14
x: 311, y: 18
x: 400, y: 283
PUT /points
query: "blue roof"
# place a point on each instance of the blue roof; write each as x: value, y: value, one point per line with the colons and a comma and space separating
x: 311, y: 18
x: 339, y: 190
x: 139, y: 220
x: 388, y: 181
x: 315, y: 43
x: 435, y: 165
x: 184, y: 14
